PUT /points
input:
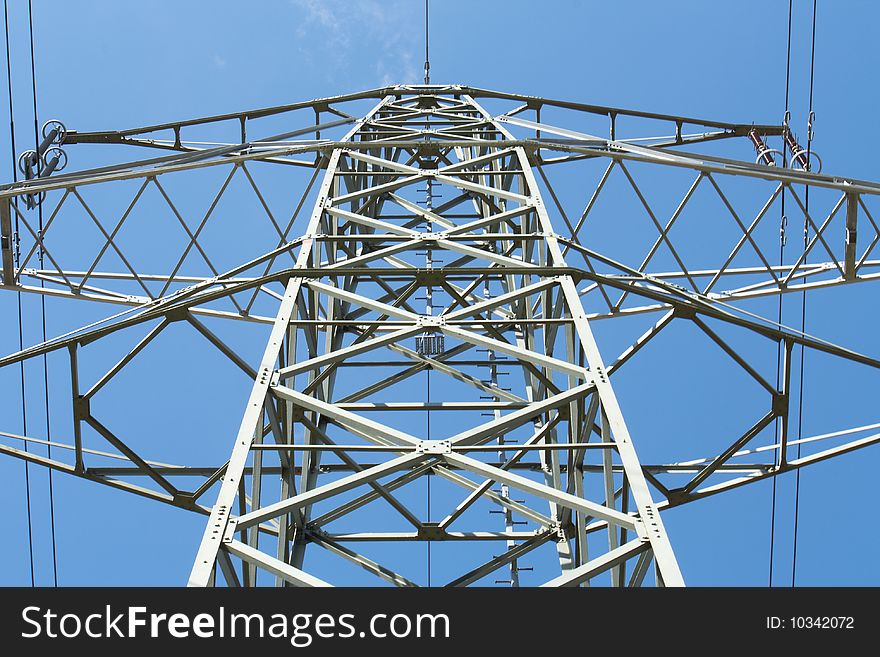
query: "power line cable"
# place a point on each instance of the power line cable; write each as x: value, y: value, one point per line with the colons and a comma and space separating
x: 43, y: 297
x: 27, y: 483
x: 427, y: 59
x: 810, y: 119
x: 779, y: 348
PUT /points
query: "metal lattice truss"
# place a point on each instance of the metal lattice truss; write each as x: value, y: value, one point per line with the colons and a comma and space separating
x: 430, y: 248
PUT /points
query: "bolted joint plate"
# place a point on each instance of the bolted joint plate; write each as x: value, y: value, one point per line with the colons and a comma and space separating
x: 229, y: 531
x: 434, y: 447
x: 431, y: 321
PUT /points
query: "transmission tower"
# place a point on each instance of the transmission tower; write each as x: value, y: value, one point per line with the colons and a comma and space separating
x: 427, y: 326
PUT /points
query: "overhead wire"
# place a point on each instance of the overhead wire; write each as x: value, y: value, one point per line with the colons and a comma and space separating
x: 17, y: 255
x: 779, y: 347
x: 810, y: 119
x: 43, y: 334
x: 427, y: 59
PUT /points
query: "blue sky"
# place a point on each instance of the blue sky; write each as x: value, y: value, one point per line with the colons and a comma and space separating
x: 111, y: 65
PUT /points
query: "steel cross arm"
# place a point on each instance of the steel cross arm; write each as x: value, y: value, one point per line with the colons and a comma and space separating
x: 536, y: 102
x: 589, y: 141
x: 696, y: 162
x: 192, y: 153
x: 693, y: 302
x: 708, y: 307
x: 91, y: 475
x: 793, y: 464
x: 322, y: 104
x: 711, y: 164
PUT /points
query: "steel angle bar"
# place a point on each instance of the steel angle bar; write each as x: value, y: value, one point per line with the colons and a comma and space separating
x: 479, y: 491
x: 482, y: 189
x: 490, y: 219
x: 512, y: 554
x: 377, y: 224
x: 362, y: 301
x: 753, y: 431
x: 66, y: 468
x: 663, y: 554
x: 225, y: 349
x: 379, y: 161
x: 344, y: 456
x: 500, y: 300
x: 790, y: 465
x: 419, y: 211
x: 348, y: 352
x: 481, y: 434
x: 600, y: 564
x: 371, y: 496
x: 329, y: 490
x: 447, y: 472
x: 377, y: 432
x: 646, y: 337
x: 285, y: 571
x: 541, y: 490
x: 220, y: 514
x: 533, y: 357
x: 364, y: 562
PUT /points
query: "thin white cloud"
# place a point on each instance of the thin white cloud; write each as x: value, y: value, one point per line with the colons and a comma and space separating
x: 351, y: 32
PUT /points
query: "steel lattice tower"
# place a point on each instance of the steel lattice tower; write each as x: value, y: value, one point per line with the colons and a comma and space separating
x: 436, y: 246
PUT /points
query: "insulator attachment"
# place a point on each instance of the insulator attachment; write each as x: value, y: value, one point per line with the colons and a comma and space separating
x: 27, y: 164
x: 54, y: 133
x: 765, y: 153
x: 54, y: 159
x: 799, y: 155
x: 48, y: 158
